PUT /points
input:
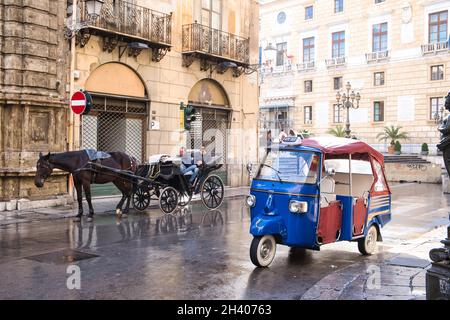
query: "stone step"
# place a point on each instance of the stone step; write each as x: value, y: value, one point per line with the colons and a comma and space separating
x: 404, y: 159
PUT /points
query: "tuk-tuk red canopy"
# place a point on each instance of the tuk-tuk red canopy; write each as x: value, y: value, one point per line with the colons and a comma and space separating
x: 334, y: 147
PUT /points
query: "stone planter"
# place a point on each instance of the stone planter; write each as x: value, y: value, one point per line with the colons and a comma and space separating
x: 397, y: 153
x: 391, y: 149
x: 424, y: 153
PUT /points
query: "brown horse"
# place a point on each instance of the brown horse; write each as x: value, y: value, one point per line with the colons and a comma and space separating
x: 77, y: 163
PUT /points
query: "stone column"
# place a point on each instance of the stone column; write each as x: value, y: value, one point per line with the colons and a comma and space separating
x: 33, y: 98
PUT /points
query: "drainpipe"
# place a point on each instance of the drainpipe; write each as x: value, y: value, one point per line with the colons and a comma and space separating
x: 72, y: 90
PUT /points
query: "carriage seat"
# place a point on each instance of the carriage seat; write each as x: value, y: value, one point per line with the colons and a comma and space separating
x: 327, y: 194
x: 97, y: 155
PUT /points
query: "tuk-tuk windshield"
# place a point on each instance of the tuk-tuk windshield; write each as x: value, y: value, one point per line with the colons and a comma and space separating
x: 290, y: 166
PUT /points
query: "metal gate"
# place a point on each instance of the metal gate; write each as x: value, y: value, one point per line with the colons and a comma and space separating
x: 115, y: 124
x: 210, y: 130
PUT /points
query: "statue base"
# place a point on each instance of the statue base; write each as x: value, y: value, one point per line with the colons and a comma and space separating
x: 438, y: 276
x: 438, y: 282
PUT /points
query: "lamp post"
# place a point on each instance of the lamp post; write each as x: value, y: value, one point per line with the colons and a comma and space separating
x: 439, y: 116
x: 347, y: 101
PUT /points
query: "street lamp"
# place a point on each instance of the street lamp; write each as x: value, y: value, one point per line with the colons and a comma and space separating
x: 348, y: 101
x: 439, y: 116
x: 93, y: 9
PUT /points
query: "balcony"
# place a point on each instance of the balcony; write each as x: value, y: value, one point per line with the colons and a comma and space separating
x: 214, y: 47
x: 284, y: 124
x: 277, y: 70
x: 377, y: 56
x: 335, y: 62
x: 435, y: 48
x: 306, y: 66
x: 139, y: 27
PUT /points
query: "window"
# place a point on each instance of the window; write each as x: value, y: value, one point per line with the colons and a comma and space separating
x: 290, y: 166
x: 337, y: 113
x: 379, y: 1
x: 307, y: 114
x: 338, y: 44
x: 378, y: 79
x: 308, y: 49
x: 378, y: 111
x: 308, y: 86
x: 435, y: 107
x: 338, y: 6
x: 337, y: 83
x: 437, y: 72
x: 309, y: 12
x: 212, y: 13
x: 281, y: 53
x: 379, y: 37
x: 437, y: 27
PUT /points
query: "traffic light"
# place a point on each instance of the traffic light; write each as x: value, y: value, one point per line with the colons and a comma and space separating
x: 189, y: 112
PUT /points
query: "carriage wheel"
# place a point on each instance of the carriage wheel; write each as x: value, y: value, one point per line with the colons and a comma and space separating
x: 168, y: 201
x: 212, y: 192
x: 141, y: 198
x: 184, y: 198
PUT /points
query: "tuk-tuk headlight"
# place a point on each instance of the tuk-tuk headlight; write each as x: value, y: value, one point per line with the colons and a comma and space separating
x: 298, y: 206
x: 250, y: 201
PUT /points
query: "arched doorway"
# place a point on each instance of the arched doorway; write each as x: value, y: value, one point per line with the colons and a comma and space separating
x: 119, y: 117
x: 212, y: 119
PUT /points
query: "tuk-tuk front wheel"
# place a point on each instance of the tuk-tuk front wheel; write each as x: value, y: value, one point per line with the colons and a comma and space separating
x: 368, y: 244
x: 262, y: 250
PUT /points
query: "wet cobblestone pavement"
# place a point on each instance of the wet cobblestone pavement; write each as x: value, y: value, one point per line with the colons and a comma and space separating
x: 204, y: 255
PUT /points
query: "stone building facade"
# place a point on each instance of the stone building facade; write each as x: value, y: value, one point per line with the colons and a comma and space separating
x: 33, y: 112
x: 394, y: 52
x: 141, y: 59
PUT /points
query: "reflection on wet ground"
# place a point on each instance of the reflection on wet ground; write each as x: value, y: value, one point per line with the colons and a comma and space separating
x: 193, y: 254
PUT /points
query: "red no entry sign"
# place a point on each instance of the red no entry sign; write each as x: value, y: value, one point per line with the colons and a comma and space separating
x: 78, y: 102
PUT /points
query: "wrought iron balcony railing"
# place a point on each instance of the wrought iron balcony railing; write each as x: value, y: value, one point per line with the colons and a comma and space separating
x: 435, y: 47
x: 277, y: 124
x: 213, y: 44
x: 335, y: 62
x: 124, y: 21
x: 377, y: 56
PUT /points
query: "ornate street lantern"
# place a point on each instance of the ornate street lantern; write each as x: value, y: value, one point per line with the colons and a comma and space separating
x: 94, y: 7
x: 347, y: 101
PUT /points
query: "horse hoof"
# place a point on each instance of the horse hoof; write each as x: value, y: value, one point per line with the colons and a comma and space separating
x: 118, y: 212
x: 124, y: 215
x: 77, y: 219
x: 90, y: 218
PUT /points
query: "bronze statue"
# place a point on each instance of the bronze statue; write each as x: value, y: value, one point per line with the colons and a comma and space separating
x: 444, y: 129
x: 437, y: 278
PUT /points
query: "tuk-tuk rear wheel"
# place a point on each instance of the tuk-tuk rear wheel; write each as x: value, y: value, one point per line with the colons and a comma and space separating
x: 368, y: 244
x: 262, y: 250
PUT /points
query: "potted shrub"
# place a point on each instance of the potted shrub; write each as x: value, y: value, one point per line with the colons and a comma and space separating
x: 393, y: 134
x: 339, y: 131
x: 397, y: 148
x: 305, y: 133
x: 424, y: 150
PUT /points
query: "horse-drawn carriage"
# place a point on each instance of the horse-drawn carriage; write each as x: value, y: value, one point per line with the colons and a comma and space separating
x: 162, y: 179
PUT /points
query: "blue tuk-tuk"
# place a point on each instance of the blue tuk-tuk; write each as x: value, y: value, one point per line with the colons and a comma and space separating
x: 316, y: 191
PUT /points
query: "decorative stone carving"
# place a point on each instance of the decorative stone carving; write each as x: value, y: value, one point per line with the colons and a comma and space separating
x: 406, y: 12
x: 110, y: 43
